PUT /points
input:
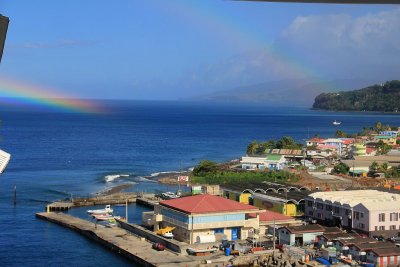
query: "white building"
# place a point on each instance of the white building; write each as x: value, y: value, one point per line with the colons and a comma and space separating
x: 368, y: 211
x: 272, y: 162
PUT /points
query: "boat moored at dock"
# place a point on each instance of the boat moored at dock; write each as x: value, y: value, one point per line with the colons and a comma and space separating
x: 107, y: 209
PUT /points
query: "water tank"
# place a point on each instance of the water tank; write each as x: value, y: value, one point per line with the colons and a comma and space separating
x: 205, y: 239
x: 227, y: 251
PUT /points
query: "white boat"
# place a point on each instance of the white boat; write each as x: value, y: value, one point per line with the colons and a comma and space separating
x: 107, y: 209
x: 168, y: 235
x: 105, y: 217
x: 336, y: 122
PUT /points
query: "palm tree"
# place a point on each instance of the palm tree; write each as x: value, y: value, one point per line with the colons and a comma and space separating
x: 374, y: 166
x: 252, y: 148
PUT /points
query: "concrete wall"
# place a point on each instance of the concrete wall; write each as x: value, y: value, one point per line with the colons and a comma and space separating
x: 285, y: 237
x: 363, y: 217
x: 309, y: 238
x: 149, y: 235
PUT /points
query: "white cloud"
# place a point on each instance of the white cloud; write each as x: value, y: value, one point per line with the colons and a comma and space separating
x: 370, y: 31
x: 341, y: 45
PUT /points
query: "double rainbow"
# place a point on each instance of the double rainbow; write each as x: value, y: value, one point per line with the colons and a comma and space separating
x: 22, y: 94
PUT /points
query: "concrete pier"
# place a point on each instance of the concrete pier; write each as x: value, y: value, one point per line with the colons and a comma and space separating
x: 59, y: 206
x: 112, y: 199
x: 147, y: 202
x: 121, y: 241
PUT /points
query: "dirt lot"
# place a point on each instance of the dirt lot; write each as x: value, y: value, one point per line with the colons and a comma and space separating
x: 335, y: 182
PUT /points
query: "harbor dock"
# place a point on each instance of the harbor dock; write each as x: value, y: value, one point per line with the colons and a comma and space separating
x: 111, y: 199
x: 120, y: 241
x: 147, y: 202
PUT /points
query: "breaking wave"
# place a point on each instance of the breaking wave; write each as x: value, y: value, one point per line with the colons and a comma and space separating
x: 112, y: 177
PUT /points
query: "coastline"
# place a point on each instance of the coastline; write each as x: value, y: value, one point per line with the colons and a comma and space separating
x: 168, y: 177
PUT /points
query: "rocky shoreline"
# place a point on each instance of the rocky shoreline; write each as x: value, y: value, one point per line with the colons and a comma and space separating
x: 169, y: 177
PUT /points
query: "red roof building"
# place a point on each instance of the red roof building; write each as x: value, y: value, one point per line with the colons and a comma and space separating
x: 202, y: 217
x: 200, y: 204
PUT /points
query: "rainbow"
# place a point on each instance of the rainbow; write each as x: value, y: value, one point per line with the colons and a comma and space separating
x: 232, y: 32
x: 22, y: 94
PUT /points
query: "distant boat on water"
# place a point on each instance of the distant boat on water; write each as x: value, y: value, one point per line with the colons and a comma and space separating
x: 336, y: 122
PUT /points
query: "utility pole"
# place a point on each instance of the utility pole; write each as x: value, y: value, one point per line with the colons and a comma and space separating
x: 126, y: 210
x: 273, y: 237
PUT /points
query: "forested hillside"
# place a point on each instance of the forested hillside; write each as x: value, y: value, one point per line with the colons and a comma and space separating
x: 384, y: 97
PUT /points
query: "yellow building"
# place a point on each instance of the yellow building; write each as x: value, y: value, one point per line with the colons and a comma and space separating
x: 288, y: 207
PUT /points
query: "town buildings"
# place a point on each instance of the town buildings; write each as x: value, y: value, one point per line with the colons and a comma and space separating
x: 367, y: 211
x: 206, y: 215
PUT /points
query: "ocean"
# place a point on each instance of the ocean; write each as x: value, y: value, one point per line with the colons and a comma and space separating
x: 56, y: 155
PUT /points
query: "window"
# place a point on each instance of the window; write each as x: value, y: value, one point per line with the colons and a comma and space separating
x: 347, y: 212
x: 309, y: 203
x: 336, y: 209
x: 356, y: 215
x: 381, y: 228
x: 394, y: 216
x: 361, y: 214
x: 320, y: 206
x: 376, y: 228
x: 381, y: 217
x: 361, y: 225
x: 319, y: 215
x: 219, y: 231
x: 328, y: 207
x: 310, y: 213
x: 392, y: 227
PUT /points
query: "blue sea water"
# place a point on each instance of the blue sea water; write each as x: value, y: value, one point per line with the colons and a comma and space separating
x: 58, y: 154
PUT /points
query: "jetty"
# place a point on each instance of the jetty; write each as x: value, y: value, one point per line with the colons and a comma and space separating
x: 120, y: 241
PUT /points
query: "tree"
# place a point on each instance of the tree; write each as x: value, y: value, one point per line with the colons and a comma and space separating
x: 374, y: 166
x: 340, y: 134
x: 378, y: 126
x: 341, y: 168
x: 287, y: 142
x: 205, y: 167
x: 383, y: 148
x: 384, y: 167
x: 252, y: 148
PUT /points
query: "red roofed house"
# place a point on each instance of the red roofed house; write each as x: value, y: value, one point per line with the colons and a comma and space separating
x: 303, y: 234
x: 269, y: 218
x: 314, y: 141
x: 204, y: 215
x: 383, y: 257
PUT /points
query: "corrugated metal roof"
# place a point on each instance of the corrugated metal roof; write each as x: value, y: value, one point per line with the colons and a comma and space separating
x: 371, y: 199
x: 383, y: 252
x: 207, y: 204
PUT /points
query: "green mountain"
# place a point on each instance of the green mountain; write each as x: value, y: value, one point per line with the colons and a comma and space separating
x: 384, y: 98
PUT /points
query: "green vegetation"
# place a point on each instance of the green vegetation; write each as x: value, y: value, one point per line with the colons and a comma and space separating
x: 383, y: 148
x: 286, y: 142
x: 390, y: 172
x: 366, y: 131
x: 208, y: 172
x: 385, y: 98
x: 341, y: 168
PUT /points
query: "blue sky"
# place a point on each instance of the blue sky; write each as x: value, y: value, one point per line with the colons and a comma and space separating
x: 158, y: 49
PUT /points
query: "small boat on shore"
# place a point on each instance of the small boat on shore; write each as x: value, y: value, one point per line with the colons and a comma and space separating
x: 198, y: 251
x: 337, y: 123
x: 106, y: 210
x: 166, y: 232
x: 105, y: 217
